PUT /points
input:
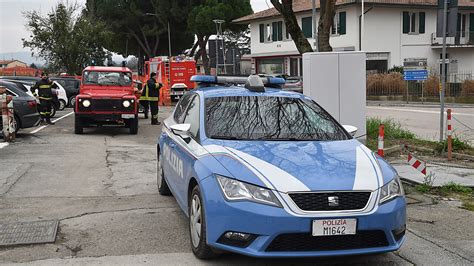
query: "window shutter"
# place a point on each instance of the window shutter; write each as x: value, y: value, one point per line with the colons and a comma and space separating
x: 406, y: 22
x: 342, y: 23
x: 307, y: 27
x: 274, y: 31
x: 422, y: 22
x: 280, y: 30
x: 262, y: 32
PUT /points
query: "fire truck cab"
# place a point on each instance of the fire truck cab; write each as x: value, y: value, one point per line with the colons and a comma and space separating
x: 107, y: 97
x: 174, y: 72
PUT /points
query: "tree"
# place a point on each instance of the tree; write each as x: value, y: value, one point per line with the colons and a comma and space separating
x: 200, y: 22
x: 327, y: 12
x: 140, y: 27
x: 67, y: 40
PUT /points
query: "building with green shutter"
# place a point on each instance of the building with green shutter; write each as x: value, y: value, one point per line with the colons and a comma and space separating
x: 395, y: 31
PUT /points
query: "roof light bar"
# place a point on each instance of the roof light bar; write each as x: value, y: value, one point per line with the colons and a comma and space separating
x: 236, y: 80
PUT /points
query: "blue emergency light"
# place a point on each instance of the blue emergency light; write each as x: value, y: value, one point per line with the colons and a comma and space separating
x: 253, y: 82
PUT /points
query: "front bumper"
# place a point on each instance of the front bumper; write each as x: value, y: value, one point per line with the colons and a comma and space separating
x: 294, y: 231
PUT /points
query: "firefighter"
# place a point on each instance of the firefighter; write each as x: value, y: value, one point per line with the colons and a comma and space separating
x: 45, y: 96
x: 149, y: 98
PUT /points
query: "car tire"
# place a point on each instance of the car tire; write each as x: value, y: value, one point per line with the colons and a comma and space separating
x: 163, y: 188
x: 197, y: 226
x: 53, y: 111
x: 17, y: 124
x: 78, y: 126
x: 133, y: 125
x: 62, y: 104
x: 72, y: 101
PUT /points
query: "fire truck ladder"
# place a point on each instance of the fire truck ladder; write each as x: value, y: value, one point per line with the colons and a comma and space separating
x: 167, y: 71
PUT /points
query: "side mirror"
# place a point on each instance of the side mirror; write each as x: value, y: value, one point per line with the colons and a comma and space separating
x: 181, y: 129
x: 351, y: 129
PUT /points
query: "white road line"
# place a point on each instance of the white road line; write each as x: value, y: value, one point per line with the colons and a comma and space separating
x: 3, y: 145
x: 415, y: 111
x: 43, y: 127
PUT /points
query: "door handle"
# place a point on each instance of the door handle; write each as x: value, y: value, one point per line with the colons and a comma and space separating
x: 172, y: 145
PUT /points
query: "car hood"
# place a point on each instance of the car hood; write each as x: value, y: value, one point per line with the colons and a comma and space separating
x: 300, y: 166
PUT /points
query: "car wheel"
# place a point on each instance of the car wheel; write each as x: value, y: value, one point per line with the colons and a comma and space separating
x: 17, y: 124
x: 78, y: 126
x: 62, y: 104
x: 163, y: 188
x: 53, y: 111
x: 197, y: 226
x: 72, y: 101
x: 134, y: 125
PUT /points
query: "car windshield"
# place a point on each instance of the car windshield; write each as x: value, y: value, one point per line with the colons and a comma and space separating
x: 269, y: 118
x: 107, y: 78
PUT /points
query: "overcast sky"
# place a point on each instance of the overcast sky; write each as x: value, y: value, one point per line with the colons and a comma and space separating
x: 12, y: 22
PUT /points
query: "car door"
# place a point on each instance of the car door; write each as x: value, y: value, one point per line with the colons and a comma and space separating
x: 170, y: 162
x: 184, y: 148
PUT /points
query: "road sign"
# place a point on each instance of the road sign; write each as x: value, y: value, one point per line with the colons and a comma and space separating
x: 415, y: 74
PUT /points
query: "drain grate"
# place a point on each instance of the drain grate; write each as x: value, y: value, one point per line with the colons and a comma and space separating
x: 28, y: 232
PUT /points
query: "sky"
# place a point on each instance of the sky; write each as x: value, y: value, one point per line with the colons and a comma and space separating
x: 12, y: 22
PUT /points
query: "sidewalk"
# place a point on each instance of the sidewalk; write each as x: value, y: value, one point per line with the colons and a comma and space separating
x: 443, y: 173
x: 418, y: 104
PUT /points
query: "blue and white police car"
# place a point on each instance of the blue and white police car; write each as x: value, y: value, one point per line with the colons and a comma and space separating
x: 268, y: 173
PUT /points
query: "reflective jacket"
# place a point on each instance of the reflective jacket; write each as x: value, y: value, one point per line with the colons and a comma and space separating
x: 44, y: 87
x: 151, y: 91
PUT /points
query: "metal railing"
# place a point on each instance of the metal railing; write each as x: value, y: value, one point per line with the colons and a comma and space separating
x: 461, y: 38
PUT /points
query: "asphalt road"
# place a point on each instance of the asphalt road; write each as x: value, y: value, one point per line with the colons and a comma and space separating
x: 423, y: 120
x: 101, y: 186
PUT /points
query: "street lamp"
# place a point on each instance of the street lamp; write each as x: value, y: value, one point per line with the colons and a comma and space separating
x: 219, y: 23
x: 169, y: 32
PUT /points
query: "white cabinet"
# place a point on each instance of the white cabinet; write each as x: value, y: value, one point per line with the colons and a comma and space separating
x: 336, y: 81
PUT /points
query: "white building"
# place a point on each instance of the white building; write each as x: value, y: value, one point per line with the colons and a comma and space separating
x: 395, y: 30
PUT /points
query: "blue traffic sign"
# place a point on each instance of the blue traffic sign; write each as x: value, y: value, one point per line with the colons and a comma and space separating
x: 415, y: 74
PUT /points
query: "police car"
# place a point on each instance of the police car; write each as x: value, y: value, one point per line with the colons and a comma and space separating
x: 269, y: 173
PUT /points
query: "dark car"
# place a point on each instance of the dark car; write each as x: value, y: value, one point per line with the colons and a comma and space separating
x: 71, y: 85
x: 293, y: 84
x: 25, y: 86
x: 24, y: 106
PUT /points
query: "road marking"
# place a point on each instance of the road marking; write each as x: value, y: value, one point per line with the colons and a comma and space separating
x: 3, y: 145
x: 415, y: 110
x: 54, y: 121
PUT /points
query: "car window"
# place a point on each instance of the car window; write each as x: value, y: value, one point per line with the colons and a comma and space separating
x: 192, y: 116
x: 269, y: 118
x: 181, y: 107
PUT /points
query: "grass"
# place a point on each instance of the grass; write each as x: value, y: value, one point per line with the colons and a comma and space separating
x: 449, y: 190
x: 395, y: 134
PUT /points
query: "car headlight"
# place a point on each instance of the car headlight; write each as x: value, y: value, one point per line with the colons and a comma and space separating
x: 391, y: 190
x: 237, y: 190
x: 86, y: 103
x: 126, y: 103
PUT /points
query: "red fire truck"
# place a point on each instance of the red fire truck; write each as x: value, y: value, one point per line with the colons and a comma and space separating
x: 174, y: 73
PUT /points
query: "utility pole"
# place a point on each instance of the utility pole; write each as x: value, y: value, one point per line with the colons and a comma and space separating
x: 169, y: 39
x: 443, y: 74
x: 315, y: 32
x: 218, y: 33
x: 362, y: 19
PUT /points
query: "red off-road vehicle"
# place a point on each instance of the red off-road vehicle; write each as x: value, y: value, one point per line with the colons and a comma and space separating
x: 107, y: 97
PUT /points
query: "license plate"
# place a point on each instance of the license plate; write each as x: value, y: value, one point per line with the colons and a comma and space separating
x: 334, y: 227
x: 179, y: 92
x: 128, y: 116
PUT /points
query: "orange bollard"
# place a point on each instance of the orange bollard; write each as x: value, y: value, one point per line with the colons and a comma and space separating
x: 381, y: 139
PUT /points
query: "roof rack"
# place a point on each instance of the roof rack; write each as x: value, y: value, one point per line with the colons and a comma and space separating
x: 252, y: 82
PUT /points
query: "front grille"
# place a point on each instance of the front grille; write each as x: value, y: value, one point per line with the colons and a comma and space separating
x: 320, y: 201
x: 106, y: 105
x: 307, y: 242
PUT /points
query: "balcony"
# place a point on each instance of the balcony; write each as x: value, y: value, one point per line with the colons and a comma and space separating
x: 462, y: 39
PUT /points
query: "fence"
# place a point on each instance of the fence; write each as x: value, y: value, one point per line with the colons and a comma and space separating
x: 391, y: 86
